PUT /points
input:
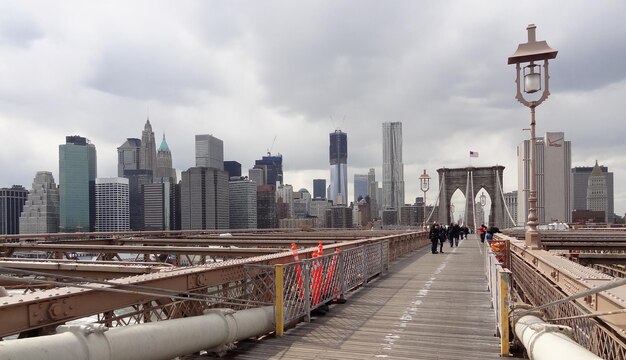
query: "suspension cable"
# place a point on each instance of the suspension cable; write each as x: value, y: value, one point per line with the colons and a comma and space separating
x: 438, y: 195
x: 504, y: 201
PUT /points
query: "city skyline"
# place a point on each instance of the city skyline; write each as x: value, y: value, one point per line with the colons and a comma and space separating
x: 221, y: 69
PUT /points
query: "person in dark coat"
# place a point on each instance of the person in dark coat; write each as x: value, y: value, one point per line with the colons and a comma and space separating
x: 433, y: 235
x: 489, y: 233
x: 443, y: 233
x: 456, y: 233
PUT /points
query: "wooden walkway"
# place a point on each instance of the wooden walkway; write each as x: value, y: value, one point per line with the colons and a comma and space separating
x: 429, y: 306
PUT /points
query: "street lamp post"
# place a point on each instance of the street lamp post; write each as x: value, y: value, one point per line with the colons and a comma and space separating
x: 530, y: 52
x: 483, y: 202
x: 424, y: 185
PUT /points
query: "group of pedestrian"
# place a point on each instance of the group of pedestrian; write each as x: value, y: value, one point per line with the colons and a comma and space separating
x: 438, y: 235
x: 486, y: 233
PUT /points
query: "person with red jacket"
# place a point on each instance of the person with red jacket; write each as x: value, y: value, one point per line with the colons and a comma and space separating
x: 482, y: 230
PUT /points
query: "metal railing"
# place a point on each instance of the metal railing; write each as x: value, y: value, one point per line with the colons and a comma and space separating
x: 299, y: 287
x: 497, y: 256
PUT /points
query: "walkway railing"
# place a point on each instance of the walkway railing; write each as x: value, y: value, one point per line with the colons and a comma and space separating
x: 497, y: 256
x: 539, y: 278
x: 299, y: 287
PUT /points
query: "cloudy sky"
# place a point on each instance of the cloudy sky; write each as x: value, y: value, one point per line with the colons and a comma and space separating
x: 249, y: 72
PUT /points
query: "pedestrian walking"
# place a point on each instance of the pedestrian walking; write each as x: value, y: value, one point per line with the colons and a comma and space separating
x: 481, y: 231
x: 433, y: 235
x: 442, y: 237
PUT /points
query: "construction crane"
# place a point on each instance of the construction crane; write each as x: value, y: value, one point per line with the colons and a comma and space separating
x: 269, y: 151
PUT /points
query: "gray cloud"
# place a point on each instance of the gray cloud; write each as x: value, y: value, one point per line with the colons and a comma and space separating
x: 249, y: 71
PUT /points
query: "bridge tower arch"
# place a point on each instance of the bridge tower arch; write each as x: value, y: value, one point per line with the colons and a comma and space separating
x: 469, y: 180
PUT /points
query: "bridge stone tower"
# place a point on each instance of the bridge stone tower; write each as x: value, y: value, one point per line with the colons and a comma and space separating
x: 470, y: 180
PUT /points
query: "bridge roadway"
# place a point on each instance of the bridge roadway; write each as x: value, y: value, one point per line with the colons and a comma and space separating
x: 427, y: 307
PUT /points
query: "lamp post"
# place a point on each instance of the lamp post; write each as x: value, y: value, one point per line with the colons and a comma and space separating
x: 531, y: 52
x: 424, y: 185
x: 483, y: 202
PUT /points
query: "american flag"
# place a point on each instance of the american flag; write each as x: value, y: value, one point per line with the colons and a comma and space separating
x: 473, y: 154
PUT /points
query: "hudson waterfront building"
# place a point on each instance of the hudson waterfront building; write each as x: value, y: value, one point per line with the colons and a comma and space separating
x: 112, y: 212
x: 41, y: 210
x: 209, y: 152
x: 393, y: 168
x: 164, y: 168
x: 147, y: 156
x: 272, y: 169
x: 338, y: 151
x: 77, y: 187
x: 204, y: 202
x: 243, y: 205
x: 11, y: 205
x: 161, y: 205
x: 553, y: 158
x: 361, y: 187
x: 128, y: 156
x: 319, y: 188
x: 580, y: 184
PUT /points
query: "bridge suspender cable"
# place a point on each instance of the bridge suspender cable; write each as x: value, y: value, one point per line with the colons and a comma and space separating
x: 443, y: 177
x: 503, y: 201
x: 467, y: 198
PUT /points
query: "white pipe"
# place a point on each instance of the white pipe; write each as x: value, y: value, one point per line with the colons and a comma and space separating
x: 215, y: 330
x: 545, y: 341
x: 3, y: 291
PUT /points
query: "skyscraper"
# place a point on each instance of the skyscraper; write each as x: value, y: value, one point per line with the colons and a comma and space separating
x: 77, y: 189
x: 243, y: 207
x: 319, y: 188
x: 160, y: 205
x: 147, y: 159
x: 137, y: 179
x: 112, y: 212
x: 128, y: 156
x: 361, y: 187
x: 41, y: 210
x: 553, y: 179
x: 393, y: 168
x: 266, y: 207
x: 338, y: 151
x: 209, y: 152
x: 372, y: 190
x: 204, y: 200
x: 272, y: 167
x: 233, y: 168
x: 164, y: 167
x: 597, y: 193
x: 11, y: 205
x: 580, y: 183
